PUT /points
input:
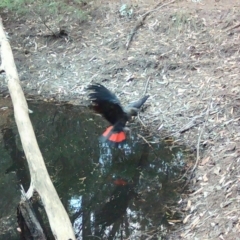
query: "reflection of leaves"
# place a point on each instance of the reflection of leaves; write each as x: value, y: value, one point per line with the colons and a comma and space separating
x: 19, y: 164
x: 64, y: 139
x: 82, y: 168
x: 116, y: 206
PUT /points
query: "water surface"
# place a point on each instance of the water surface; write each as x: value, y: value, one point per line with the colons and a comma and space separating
x: 126, y: 193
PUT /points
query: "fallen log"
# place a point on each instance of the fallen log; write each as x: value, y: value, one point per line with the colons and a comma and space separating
x: 40, y: 181
x: 30, y: 228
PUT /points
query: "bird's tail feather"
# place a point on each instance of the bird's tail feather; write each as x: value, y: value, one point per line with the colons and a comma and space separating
x: 139, y: 103
x: 113, y: 138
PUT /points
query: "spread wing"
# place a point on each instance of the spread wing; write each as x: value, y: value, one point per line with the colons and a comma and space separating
x: 139, y: 103
x: 106, y: 103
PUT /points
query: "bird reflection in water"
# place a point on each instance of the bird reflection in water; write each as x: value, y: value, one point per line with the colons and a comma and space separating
x: 116, y: 206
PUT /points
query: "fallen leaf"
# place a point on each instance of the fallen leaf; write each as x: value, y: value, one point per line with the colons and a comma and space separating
x: 186, y: 218
x: 230, y: 147
x: 189, y: 203
x: 213, y: 224
x: 172, y: 221
x: 196, y: 192
x: 205, y: 194
x: 195, y: 222
x: 222, y: 180
x: 180, y: 90
x: 204, y: 161
x: 217, y: 170
x: 205, y: 179
x: 225, y: 204
x: 229, y: 194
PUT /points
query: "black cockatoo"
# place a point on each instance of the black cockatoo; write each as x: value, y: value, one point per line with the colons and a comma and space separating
x: 107, y: 104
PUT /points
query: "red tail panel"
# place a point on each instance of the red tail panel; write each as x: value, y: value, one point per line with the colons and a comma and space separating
x: 117, y: 137
x: 114, y: 138
x: 108, y: 130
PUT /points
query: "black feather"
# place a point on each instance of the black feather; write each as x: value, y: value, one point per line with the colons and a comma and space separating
x: 106, y: 103
x: 139, y: 103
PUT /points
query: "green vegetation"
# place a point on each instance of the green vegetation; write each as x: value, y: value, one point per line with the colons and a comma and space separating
x: 57, y: 9
x: 184, y: 22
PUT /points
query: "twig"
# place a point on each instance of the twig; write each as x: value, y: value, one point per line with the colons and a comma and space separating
x: 146, y: 86
x: 193, y: 122
x: 157, y: 7
x: 146, y: 141
x: 144, y: 93
x: 231, y: 28
x: 198, y: 143
x: 45, y: 24
x: 49, y: 28
x: 186, y: 172
x: 141, y: 21
x: 189, y: 125
x: 134, y: 30
x: 140, y: 120
x: 198, y: 147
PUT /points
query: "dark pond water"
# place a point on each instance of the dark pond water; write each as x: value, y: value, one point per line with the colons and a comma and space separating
x: 127, y: 193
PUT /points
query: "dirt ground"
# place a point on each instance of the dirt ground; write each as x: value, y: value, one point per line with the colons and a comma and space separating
x: 185, y: 55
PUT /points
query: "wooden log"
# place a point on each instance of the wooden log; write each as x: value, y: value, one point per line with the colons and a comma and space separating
x: 27, y: 221
x: 40, y: 180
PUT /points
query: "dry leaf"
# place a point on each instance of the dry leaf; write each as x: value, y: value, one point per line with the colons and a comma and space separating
x: 230, y: 147
x: 205, y: 179
x: 195, y: 222
x: 225, y: 204
x: 172, y: 221
x: 229, y: 194
x: 217, y: 170
x: 186, y: 218
x: 204, y: 161
x: 189, y: 203
x: 198, y: 191
x: 205, y: 194
x: 180, y: 90
x: 222, y: 180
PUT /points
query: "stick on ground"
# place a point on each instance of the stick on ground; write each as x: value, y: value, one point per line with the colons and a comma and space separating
x: 141, y: 21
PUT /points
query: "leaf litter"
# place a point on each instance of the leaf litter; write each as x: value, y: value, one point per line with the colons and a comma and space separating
x: 186, y: 56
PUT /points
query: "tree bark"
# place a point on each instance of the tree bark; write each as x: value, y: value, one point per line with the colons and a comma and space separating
x: 40, y: 180
x: 27, y: 221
